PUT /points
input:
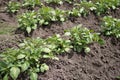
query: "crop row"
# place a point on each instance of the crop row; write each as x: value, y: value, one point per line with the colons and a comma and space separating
x: 97, y: 6
x: 30, y: 58
x: 13, y: 7
x: 111, y: 26
x: 31, y: 55
x: 31, y: 20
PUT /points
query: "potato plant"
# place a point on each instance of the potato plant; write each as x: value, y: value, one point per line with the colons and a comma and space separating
x: 59, y: 45
x: 29, y: 56
x: 81, y: 37
x: 112, y: 3
x: 47, y: 14
x: 13, y: 7
x: 25, y: 59
x: 86, y: 7
x: 97, y: 6
x: 28, y: 21
x: 111, y: 26
x: 74, y: 12
x: 82, y: 9
x: 102, y: 6
x: 31, y: 3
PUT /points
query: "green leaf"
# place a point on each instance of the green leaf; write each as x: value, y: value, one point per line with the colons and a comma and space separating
x: 101, y: 42
x: 50, y: 57
x: 67, y: 34
x: 67, y: 49
x: 60, y: 2
x: 46, y: 56
x: 5, y: 77
x: 20, y: 56
x: 14, y: 72
x: 87, y: 49
x: 28, y: 29
x: 44, y: 67
x: 34, y: 27
x: 55, y: 58
x: 33, y: 76
x: 41, y: 21
x: 22, y: 44
x: 82, y: 9
x: 2, y: 65
x: 46, y: 50
x: 62, y: 19
x: 25, y: 66
x: 46, y: 23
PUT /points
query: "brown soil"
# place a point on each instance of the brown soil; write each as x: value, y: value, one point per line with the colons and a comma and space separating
x: 102, y: 63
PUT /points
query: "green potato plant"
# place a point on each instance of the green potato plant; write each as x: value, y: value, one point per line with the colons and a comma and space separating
x: 74, y: 12
x: 47, y: 14
x: 111, y: 26
x: 60, y: 15
x: 13, y: 7
x: 59, y: 45
x: 31, y: 3
x: 97, y: 6
x: 81, y: 37
x: 84, y: 7
x: 112, y: 3
x: 102, y: 6
x: 25, y: 59
x: 28, y: 21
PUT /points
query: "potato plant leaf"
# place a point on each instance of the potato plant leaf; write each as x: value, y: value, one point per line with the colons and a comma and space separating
x: 5, y: 77
x: 28, y: 29
x: 14, y: 72
x: 44, y: 67
x: 20, y: 56
x: 33, y: 76
x: 25, y: 66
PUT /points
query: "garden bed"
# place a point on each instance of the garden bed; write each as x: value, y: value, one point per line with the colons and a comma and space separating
x: 101, y: 63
